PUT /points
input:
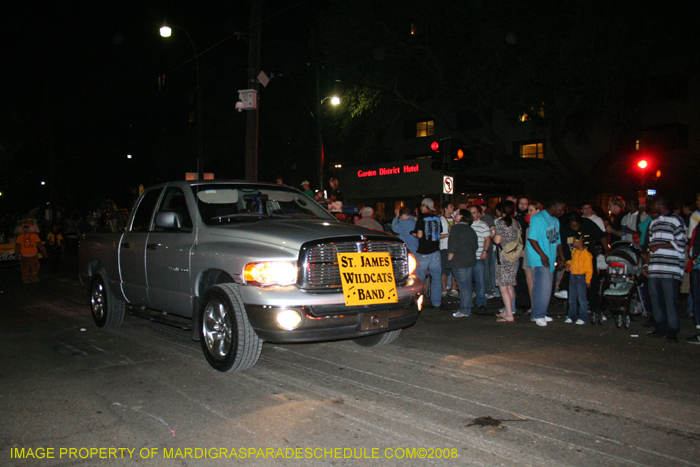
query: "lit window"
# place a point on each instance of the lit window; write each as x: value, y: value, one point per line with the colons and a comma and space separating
x: 532, y: 151
x: 425, y: 128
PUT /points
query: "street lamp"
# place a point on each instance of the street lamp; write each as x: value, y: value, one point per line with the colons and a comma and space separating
x: 166, y: 31
x: 335, y: 100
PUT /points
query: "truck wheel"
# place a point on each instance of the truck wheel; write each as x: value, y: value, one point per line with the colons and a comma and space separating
x: 228, y: 340
x: 378, y: 340
x: 107, y: 310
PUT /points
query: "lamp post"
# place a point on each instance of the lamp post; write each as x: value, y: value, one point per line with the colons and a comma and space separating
x: 319, y: 127
x: 166, y: 31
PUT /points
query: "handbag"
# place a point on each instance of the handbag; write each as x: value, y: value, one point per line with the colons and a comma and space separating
x: 512, y: 251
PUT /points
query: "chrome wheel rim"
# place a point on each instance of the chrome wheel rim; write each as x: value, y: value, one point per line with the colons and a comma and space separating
x: 98, y: 300
x: 216, y: 329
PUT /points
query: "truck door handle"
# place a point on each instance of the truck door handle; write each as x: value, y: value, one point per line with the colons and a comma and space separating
x: 152, y: 246
x: 126, y: 245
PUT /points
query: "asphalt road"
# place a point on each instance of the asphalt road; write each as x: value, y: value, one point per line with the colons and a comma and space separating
x: 486, y: 392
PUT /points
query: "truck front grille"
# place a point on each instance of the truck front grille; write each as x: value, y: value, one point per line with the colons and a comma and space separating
x: 320, y: 261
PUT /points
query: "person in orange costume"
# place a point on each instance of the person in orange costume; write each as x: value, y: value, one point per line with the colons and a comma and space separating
x: 27, y: 247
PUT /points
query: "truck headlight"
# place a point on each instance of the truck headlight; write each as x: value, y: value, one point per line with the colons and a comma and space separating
x: 412, y: 263
x: 270, y: 273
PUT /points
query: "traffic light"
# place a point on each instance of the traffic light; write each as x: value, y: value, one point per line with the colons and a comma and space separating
x: 438, y: 162
x: 647, y: 167
x: 458, y: 159
x: 448, y: 154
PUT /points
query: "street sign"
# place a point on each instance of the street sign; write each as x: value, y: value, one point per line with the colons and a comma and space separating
x: 448, y: 185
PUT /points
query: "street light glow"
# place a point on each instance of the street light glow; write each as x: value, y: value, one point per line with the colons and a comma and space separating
x: 335, y: 100
x: 165, y: 31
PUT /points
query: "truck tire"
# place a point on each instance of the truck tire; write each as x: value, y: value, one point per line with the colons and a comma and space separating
x: 107, y: 310
x: 378, y: 340
x: 228, y: 340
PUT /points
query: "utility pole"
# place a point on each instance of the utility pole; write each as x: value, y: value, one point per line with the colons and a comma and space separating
x: 252, y: 115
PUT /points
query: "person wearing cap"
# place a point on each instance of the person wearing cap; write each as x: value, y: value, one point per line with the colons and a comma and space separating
x: 428, y: 230
x: 307, y: 189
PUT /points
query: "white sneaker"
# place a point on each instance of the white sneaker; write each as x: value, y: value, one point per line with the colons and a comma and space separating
x: 454, y: 293
x: 548, y: 319
x: 563, y: 294
x: 568, y: 321
x: 580, y: 321
x: 459, y: 314
x: 541, y: 322
x: 444, y: 294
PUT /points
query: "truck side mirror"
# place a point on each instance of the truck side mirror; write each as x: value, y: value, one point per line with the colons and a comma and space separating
x: 168, y: 220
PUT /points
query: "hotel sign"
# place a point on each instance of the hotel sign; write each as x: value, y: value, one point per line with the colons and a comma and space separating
x: 393, y: 170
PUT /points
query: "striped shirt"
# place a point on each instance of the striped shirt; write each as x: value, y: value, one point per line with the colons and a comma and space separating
x: 667, y: 263
x: 482, y: 231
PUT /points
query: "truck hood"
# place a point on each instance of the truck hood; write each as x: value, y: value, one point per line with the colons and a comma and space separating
x: 292, y: 232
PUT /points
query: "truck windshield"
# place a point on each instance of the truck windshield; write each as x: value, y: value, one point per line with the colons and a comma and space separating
x: 227, y: 204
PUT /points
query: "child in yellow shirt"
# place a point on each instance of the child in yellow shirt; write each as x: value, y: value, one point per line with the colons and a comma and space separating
x: 580, y: 268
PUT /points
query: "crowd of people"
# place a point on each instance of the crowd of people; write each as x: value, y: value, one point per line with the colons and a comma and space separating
x: 25, y: 238
x: 522, y: 251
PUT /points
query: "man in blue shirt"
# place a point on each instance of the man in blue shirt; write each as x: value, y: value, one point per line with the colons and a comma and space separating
x: 543, y: 239
x: 402, y: 225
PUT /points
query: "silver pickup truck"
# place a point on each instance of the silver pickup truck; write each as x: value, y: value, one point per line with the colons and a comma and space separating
x: 247, y: 262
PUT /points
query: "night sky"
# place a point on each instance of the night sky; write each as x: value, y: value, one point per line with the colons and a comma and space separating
x: 86, y: 83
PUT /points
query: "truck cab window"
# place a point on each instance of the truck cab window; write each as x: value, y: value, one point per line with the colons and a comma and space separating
x: 144, y: 212
x: 174, y: 201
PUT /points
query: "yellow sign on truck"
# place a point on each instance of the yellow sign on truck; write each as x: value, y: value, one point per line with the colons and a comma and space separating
x: 367, y: 278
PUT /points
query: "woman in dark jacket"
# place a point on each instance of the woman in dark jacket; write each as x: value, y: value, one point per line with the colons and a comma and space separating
x: 461, y: 256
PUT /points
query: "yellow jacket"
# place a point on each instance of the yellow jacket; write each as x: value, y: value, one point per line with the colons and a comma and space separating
x: 581, y: 262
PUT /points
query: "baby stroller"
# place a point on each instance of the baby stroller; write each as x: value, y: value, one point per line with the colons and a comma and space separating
x: 620, y: 292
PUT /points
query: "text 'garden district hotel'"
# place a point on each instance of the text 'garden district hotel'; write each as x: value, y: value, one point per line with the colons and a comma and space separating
x: 390, y: 171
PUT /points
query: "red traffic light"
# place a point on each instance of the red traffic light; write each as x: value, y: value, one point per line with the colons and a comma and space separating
x: 642, y: 164
x: 435, y: 146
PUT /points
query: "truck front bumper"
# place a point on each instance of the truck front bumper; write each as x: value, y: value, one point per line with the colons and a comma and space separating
x: 324, y: 316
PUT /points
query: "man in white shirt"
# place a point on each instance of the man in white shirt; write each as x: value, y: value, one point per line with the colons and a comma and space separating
x: 587, y: 213
x: 630, y: 231
x: 483, y: 234
x: 447, y: 223
x: 694, y: 217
